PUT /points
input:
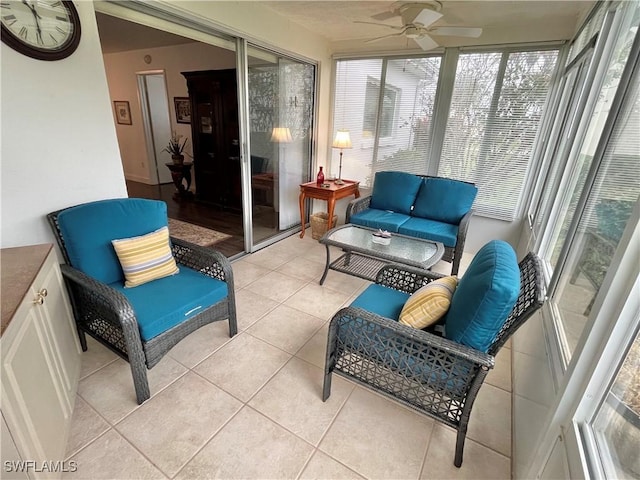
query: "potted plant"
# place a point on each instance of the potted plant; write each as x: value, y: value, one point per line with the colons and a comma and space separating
x: 175, y: 148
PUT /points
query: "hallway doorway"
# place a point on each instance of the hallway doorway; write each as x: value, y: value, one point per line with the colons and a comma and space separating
x: 154, y: 104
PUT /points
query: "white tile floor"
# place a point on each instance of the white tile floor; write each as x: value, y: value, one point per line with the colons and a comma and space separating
x: 251, y: 407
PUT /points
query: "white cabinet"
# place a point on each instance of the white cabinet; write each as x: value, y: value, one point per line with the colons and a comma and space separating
x: 40, y: 369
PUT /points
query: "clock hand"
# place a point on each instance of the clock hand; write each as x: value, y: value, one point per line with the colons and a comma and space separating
x: 36, y: 16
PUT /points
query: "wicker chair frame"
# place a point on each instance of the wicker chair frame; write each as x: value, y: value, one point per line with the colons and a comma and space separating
x: 451, y: 255
x: 435, y: 376
x: 106, y: 315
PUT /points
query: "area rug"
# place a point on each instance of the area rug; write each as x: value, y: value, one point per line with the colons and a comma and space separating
x: 194, y: 233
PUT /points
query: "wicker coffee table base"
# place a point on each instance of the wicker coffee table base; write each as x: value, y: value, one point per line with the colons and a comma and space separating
x: 355, y: 264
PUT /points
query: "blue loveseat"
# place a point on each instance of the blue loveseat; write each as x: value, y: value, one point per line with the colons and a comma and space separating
x: 433, y: 208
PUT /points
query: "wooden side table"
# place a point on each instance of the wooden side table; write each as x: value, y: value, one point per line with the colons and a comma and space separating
x: 180, y: 172
x: 331, y: 193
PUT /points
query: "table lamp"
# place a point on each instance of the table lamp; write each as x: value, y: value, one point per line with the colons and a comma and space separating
x: 281, y: 135
x: 342, y: 141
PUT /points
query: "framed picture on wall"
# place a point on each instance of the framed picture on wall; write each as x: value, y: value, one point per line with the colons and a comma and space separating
x: 123, y: 112
x: 183, y: 109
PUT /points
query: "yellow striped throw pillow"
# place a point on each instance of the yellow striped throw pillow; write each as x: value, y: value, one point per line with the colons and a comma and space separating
x: 145, y: 258
x: 429, y: 304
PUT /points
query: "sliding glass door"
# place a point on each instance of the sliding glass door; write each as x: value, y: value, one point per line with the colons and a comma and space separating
x: 280, y: 128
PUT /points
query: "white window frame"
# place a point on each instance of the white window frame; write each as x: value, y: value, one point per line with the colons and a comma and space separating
x: 595, y: 76
x: 582, y: 385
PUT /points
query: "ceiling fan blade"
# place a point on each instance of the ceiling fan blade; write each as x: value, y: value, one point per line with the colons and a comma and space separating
x: 379, y: 24
x: 426, y: 17
x: 426, y: 42
x: 383, y: 37
x: 384, y: 15
x: 457, y: 31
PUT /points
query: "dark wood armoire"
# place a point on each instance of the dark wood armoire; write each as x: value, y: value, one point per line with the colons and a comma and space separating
x: 215, y: 136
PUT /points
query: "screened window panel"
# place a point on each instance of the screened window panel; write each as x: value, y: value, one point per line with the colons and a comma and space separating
x: 612, y: 198
x: 355, y: 109
x: 406, y: 115
x: 496, y: 111
x: 580, y: 161
x: 394, y: 134
x: 573, y: 83
x: 616, y: 424
x: 472, y: 97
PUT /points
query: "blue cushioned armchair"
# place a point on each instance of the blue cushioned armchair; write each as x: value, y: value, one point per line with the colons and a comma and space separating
x: 142, y: 323
x: 433, y: 208
x: 437, y: 375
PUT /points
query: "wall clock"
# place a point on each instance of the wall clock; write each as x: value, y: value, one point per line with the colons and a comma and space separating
x: 41, y: 29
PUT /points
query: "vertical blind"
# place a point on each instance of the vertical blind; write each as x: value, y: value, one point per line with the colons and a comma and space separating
x: 495, y: 113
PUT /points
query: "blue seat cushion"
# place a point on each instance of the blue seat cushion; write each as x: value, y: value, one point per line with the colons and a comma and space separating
x: 444, y: 199
x: 164, y: 303
x: 381, y: 300
x: 374, y: 218
x: 430, y: 230
x: 395, y: 191
x: 485, y: 296
x: 88, y: 229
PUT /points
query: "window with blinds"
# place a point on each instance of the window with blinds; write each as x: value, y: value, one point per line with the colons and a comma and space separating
x: 494, y: 117
x: 387, y: 105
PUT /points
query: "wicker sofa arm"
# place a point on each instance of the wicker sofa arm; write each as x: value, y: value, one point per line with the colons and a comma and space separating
x: 462, y: 230
x: 205, y: 260
x: 357, y: 205
x: 404, y: 278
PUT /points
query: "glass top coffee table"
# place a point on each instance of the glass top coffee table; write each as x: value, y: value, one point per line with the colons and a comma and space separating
x: 363, y: 258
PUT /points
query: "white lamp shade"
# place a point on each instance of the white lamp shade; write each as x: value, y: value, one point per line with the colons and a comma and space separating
x: 342, y: 140
x: 281, y: 135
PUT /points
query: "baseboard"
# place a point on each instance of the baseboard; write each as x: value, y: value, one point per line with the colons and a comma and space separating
x: 139, y: 179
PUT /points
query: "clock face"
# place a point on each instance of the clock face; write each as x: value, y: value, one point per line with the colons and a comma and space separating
x: 42, y: 29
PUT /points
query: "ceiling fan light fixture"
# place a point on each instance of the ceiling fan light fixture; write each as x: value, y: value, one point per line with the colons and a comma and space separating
x: 413, y: 32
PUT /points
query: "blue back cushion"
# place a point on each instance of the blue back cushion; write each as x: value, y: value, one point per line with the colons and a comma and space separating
x: 444, y: 200
x: 395, y: 191
x: 484, y: 297
x: 88, y: 229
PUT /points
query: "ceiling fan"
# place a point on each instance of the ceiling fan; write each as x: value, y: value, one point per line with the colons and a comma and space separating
x: 416, y: 21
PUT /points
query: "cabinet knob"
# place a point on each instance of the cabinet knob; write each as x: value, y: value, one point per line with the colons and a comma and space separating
x: 40, y: 296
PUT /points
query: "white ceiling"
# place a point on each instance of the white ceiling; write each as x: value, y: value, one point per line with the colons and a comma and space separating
x: 502, y: 21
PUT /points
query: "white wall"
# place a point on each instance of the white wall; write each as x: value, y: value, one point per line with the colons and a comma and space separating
x: 121, y: 74
x: 59, y: 144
